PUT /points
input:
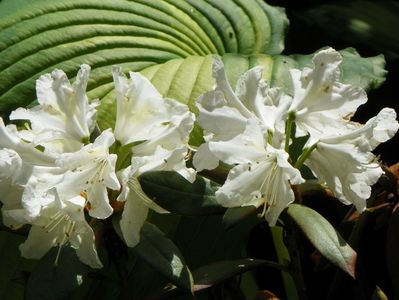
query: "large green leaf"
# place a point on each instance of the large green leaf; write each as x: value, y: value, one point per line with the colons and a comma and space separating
x: 161, y: 254
x: 46, y: 34
x: 217, y: 272
x: 174, y: 193
x: 324, y: 237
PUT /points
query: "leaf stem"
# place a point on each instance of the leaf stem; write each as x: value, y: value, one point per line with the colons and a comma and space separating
x: 305, y: 154
x: 288, y: 129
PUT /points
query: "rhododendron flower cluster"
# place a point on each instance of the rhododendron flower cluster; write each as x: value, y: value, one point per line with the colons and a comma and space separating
x: 59, y: 173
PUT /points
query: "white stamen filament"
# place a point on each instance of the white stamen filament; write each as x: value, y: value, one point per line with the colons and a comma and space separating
x: 134, y: 184
x: 68, y: 230
x: 269, y: 196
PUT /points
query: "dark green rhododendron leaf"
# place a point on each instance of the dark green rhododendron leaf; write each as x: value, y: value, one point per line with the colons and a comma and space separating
x: 174, y: 193
x: 217, y: 272
x: 324, y: 237
x: 42, y: 35
x: 234, y: 215
x: 161, y: 254
x: 48, y: 282
x: 214, y: 273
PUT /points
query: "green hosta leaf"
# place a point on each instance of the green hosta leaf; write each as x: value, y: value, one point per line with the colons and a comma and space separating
x: 324, y: 237
x: 174, y: 193
x: 48, y: 282
x: 41, y: 35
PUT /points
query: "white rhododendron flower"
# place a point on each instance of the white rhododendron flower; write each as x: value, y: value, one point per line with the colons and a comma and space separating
x: 223, y: 114
x: 250, y: 138
x: 141, y: 111
x: 60, y: 176
x: 64, y: 119
x: 158, y: 130
x: 53, y: 178
x: 261, y: 175
x: 321, y: 104
x: 62, y: 222
x: 345, y: 162
x: 91, y: 170
x: 250, y: 130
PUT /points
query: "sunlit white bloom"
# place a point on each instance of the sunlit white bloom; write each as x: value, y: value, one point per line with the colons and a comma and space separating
x: 136, y: 208
x: 64, y: 119
x: 262, y: 174
x: 60, y: 223
x: 321, y: 104
x: 345, y: 162
x: 10, y: 138
x: 223, y: 113
x: 22, y: 165
x: 158, y: 130
x: 141, y: 110
x: 90, y: 171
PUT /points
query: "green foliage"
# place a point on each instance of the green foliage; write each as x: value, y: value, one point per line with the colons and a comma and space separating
x: 324, y: 237
x: 174, y: 193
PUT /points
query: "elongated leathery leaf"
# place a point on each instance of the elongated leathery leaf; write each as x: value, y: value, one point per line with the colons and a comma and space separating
x: 174, y: 193
x: 324, y: 237
x: 217, y: 272
x: 163, y: 255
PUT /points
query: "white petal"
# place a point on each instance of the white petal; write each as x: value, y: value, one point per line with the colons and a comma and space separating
x: 243, y: 184
x: 251, y: 90
x: 215, y: 116
x: 166, y: 160
x: 9, y: 138
x: 321, y: 102
x: 267, y: 182
x: 133, y: 217
x: 38, y: 243
x: 91, y: 170
x: 346, y: 170
x: 64, y: 115
x: 246, y: 147
x: 223, y: 85
x: 87, y: 252
x: 140, y: 108
x: 204, y: 159
x: 173, y: 134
